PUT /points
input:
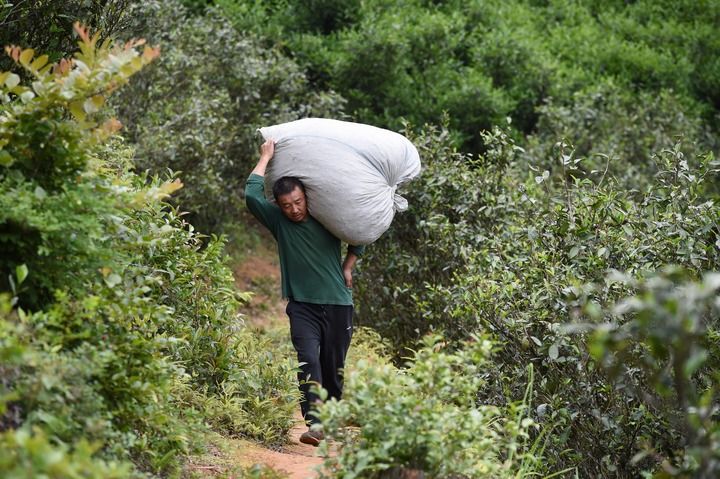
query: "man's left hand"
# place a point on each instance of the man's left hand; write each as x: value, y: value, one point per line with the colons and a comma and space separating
x: 348, y: 277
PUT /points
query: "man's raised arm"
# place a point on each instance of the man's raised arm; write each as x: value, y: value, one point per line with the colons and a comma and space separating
x: 263, y: 210
x: 267, y: 150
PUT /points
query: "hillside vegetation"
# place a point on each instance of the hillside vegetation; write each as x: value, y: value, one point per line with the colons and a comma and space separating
x: 546, y: 307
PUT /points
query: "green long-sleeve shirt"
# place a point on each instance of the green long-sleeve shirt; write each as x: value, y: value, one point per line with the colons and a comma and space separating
x: 310, y: 256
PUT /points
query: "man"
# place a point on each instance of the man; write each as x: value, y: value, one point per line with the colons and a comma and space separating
x: 316, y: 284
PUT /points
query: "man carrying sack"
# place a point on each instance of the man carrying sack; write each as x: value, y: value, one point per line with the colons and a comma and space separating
x: 315, y: 281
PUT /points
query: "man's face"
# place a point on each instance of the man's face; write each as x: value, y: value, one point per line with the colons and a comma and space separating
x: 293, y: 205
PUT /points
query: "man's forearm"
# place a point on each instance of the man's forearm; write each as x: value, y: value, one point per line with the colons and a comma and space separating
x: 261, y: 166
x: 350, y: 261
x: 348, y: 266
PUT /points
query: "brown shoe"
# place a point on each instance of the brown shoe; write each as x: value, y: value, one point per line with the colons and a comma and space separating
x: 312, y: 437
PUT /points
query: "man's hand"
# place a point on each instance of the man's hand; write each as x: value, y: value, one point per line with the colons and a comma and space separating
x: 348, y: 266
x: 348, y: 277
x: 267, y: 150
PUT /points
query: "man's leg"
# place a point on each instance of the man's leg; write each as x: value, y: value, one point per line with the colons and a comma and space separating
x: 334, y: 347
x: 306, y: 331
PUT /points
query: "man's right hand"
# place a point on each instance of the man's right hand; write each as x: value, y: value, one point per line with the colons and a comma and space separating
x: 267, y: 150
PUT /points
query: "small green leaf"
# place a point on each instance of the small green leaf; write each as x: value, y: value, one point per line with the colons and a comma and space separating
x: 12, y: 80
x: 695, y: 362
x: 21, y: 272
x: 39, y: 62
x: 76, y: 108
x: 27, y: 96
x: 26, y: 56
x: 113, y: 280
x: 553, y: 352
x: 6, y: 158
x: 93, y: 105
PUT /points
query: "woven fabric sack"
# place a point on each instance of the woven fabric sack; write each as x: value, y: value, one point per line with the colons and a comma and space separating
x: 351, y: 172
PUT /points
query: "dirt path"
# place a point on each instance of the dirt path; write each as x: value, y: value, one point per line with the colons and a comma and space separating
x: 295, y: 459
x: 260, y: 273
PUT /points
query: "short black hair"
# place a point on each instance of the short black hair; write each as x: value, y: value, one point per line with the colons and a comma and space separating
x: 285, y: 185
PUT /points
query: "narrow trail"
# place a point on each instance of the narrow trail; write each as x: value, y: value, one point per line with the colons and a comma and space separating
x: 260, y: 273
x: 295, y: 459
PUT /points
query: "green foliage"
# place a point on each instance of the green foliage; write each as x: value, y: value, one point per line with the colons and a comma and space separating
x: 260, y: 395
x: 483, y: 61
x: 617, y: 133
x: 489, y: 245
x: 121, y: 324
x: 198, y: 110
x: 424, y: 418
x: 47, y: 25
x: 118, y: 310
x: 662, y: 349
x: 28, y: 455
x: 49, y: 196
x: 260, y: 471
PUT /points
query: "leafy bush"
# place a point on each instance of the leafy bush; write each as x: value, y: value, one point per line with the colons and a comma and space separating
x: 259, y: 397
x: 617, y: 133
x: 47, y: 25
x: 119, y: 309
x: 489, y: 245
x: 483, y: 61
x: 30, y: 455
x: 661, y: 350
x: 424, y: 418
x: 198, y: 109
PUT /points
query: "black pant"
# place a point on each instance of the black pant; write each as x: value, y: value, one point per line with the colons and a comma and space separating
x: 321, y: 335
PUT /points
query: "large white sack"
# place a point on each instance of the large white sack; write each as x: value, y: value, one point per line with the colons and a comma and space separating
x: 350, y: 171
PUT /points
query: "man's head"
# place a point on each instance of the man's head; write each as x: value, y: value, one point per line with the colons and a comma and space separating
x: 289, y: 193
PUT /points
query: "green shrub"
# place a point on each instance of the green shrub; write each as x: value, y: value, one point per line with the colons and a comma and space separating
x: 488, y: 245
x: 48, y: 26
x: 424, y: 417
x: 118, y: 309
x: 661, y: 349
x: 259, y: 397
x: 483, y: 61
x: 197, y: 111
x: 28, y: 455
x: 617, y: 133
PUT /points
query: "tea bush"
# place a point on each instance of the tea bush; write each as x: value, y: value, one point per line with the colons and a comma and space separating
x: 48, y: 26
x: 29, y: 455
x: 618, y: 133
x: 483, y: 61
x: 118, y: 310
x: 197, y: 111
x: 490, y: 245
x: 424, y: 417
x: 660, y: 349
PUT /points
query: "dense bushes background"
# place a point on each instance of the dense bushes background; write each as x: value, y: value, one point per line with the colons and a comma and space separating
x: 481, y: 61
x: 197, y: 110
x: 491, y: 245
x: 568, y: 209
x: 46, y: 25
